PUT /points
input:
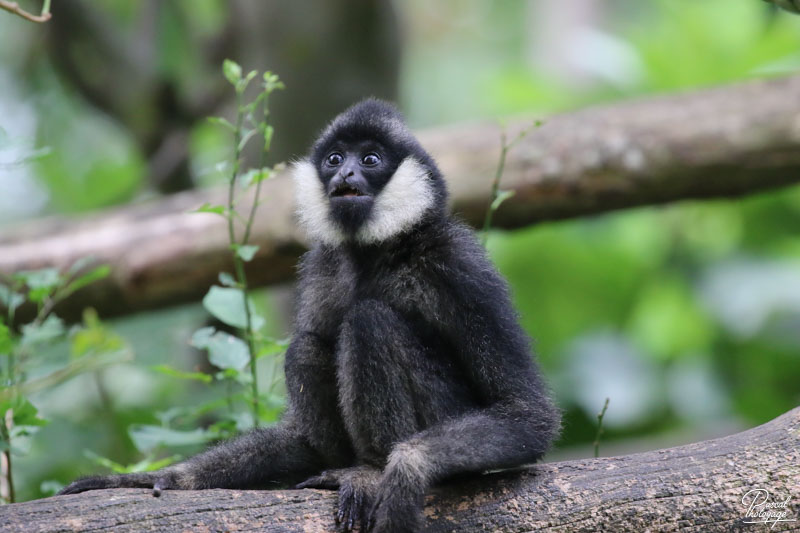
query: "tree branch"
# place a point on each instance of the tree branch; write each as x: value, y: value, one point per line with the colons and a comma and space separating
x: 13, y: 7
x: 697, y: 487
x: 726, y: 141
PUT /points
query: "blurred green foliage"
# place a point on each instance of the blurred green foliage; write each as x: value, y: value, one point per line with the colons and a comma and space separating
x: 26, y: 365
x: 637, y: 284
x: 686, y: 316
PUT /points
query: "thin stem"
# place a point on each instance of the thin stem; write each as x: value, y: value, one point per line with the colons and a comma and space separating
x: 262, y: 159
x: 44, y: 309
x: 505, y: 147
x: 241, y: 278
x: 501, y: 165
x: 12, y: 288
x: 249, y: 335
x: 229, y: 395
x: 11, y: 309
x: 600, y: 416
x: 12, y: 368
x: 252, y: 214
x: 13, y: 7
x: 240, y: 267
x: 237, y: 155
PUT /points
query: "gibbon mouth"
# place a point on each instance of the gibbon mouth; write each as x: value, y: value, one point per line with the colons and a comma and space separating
x: 346, y: 191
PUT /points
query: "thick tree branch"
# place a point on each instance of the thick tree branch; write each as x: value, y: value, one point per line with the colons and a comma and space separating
x: 698, y: 487
x: 724, y: 141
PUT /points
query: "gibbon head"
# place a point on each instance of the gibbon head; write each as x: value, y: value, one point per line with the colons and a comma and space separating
x: 366, y: 179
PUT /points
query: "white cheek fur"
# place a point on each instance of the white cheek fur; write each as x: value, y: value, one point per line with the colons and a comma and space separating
x: 313, y: 207
x: 400, y: 204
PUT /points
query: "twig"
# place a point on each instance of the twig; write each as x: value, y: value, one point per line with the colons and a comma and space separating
x: 494, y: 199
x: 600, y: 416
x: 13, y: 7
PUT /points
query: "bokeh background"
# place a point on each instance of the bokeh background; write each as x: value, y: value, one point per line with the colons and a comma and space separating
x: 686, y: 316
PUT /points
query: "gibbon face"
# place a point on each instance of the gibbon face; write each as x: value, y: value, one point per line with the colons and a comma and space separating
x: 366, y: 179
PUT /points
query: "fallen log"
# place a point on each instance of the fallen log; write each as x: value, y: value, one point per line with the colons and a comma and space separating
x: 725, y: 141
x: 724, y: 484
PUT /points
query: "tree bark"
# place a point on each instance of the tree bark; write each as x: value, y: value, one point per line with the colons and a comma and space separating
x: 697, y: 487
x: 718, y: 142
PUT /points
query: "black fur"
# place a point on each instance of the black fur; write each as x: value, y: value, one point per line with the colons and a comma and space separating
x: 407, y: 365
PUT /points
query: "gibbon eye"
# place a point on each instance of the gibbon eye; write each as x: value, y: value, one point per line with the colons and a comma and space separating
x: 371, y: 160
x: 335, y: 159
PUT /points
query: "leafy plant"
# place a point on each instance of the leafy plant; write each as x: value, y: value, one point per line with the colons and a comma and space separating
x: 22, y: 350
x: 230, y: 302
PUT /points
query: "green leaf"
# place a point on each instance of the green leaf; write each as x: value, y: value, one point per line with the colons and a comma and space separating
x: 51, y: 329
x: 227, y: 280
x: 6, y: 341
x: 147, y: 438
x: 39, y: 295
x: 226, y: 427
x: 242, y: 377
x: 268, y: 132
x: 501, y: 197
x: 25, y: 414
x: 272, y: 347
x: 201, y: 337
x: 227, y: 305
x: 105, y: 462
x: 272, y: 82
x: 242, y: 84
x: 96, y: 274
x: 49, y: 487
x: 10, y: 299
x: 169, y: 371
x: 208, y: 208
x: 37, y: 154
x: 21, y: 441
x: 246, y: 137
x: 219, y: 121
x: 94, y: 337
x: 224, y: 350
x: 255, y: 175
x: 148, y: 464
x: 45, y: 278
x: 247, y: 252
x: 145, y: 465
x: 232, y: 71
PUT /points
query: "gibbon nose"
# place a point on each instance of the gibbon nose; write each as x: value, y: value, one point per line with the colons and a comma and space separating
x: 340, y: 179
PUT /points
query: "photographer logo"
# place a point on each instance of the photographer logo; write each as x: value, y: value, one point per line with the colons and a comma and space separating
x: 762, y: 508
